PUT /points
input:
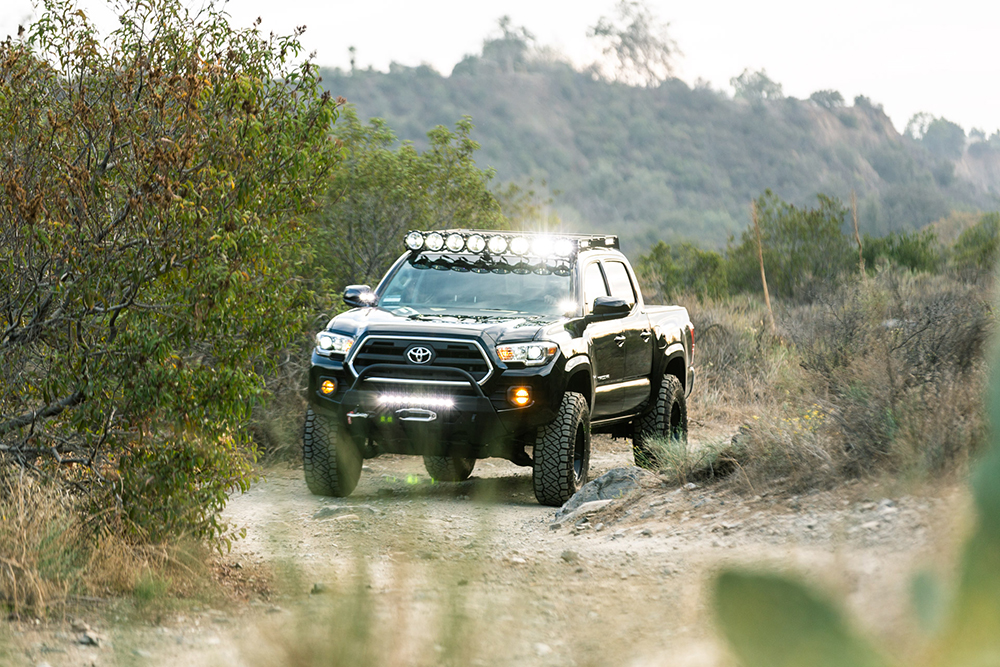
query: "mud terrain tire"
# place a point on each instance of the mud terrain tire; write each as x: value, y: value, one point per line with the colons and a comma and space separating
x: 449, y: 468
x: 668, y: 418
x: 331, y: 462
x: 562, y: 452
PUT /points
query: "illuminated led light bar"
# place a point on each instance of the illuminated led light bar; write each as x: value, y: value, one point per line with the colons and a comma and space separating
x: 410, y: 401
x: 521, y: 244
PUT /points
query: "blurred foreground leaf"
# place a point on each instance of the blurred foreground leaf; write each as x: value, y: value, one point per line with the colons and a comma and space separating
x: 771, y: 621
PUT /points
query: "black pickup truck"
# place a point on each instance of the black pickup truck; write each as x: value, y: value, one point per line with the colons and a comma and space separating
x: 482, y: 344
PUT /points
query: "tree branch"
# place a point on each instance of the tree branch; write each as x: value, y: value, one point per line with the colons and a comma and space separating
x: 50, y: 410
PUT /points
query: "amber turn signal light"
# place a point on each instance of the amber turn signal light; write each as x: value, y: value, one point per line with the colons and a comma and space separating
x: 519, y: 396
x: 328, y: 387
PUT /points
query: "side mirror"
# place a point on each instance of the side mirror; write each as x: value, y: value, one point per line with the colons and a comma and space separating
x: 609, y: 308
x: 359, y: 296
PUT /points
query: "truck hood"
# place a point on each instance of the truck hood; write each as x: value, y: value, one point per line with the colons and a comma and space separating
x: 493, y: 330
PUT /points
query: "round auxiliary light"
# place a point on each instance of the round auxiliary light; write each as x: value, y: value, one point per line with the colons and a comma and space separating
x: 497, y: 245
x: 544, y: 246
x: 519, y: 246
x: 328, y: 387
x: 564, y: 248
x: 475, y: 243
x: 455, y: 242
x: 434, y: 241
x: 414, y: 240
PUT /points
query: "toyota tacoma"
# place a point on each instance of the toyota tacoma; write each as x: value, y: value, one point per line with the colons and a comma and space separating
x: 482, y: 344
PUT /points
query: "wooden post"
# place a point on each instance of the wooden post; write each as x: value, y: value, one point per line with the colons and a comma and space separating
x: 857, y: 236
x: 760, y: 256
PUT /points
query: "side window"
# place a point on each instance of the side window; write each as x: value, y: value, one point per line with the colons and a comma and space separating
x: 593, y: 286
x: 621, y: 284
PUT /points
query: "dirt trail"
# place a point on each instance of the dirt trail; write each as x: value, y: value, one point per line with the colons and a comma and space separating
x: 474, y: 573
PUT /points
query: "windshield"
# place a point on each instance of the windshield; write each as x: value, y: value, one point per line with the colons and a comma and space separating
x: 466, y: 285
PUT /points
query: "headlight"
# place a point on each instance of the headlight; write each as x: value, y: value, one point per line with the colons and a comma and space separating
x: 529, y: 354
x: 331, y: 343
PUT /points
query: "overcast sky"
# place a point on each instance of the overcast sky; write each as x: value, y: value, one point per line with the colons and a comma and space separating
x: 937, y: 57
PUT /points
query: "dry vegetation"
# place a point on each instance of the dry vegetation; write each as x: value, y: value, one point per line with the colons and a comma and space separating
x: 877, y: 376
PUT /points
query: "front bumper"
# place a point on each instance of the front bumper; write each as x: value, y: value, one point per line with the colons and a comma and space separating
x: 387, y: 408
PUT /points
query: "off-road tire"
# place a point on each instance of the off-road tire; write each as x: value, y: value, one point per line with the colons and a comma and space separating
x: 562, y: 452
x: 668, y: 417
x: 449, y: 468
x: 331, y: 462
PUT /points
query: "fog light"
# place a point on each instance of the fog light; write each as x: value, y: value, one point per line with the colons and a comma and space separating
x: 328, y: 387
x: 519, y: 396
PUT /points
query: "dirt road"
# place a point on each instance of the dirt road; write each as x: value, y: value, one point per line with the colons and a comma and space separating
x: 409, y: 572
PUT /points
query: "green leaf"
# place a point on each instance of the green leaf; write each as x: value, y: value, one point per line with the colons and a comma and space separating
x: 772, y: 621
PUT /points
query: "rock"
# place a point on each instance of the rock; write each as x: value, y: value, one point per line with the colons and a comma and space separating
x: 517, y: 560
x: 581, y: 512
x: 79, y: 626
x: 542, y: 650
x: 89, y: 638
x: 646, y: 532
x: 569, y: 556
x: 690, y: 486
x: 647, y: 514
x: 615, y: 483
x: 319, y: 589
x: 340, y: 510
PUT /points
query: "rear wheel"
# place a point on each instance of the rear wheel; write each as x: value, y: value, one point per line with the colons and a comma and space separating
x: 449, y: 468
x: 331, y: 462
x: 562, y: 452
x: 667, y: 418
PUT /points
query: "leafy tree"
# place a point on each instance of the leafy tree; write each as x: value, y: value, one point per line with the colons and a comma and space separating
x: 828, y: 99
x: 525, y: 208
x: 977, y: 249
x: 510, y: 50
x: 944, y: 139
x: 385, y: 189
x: 756, y: 86
x: 683, y: 269
x: 916, y: 251
x: 637, y: 43
x: 152, y: 188
x: 803, y: 248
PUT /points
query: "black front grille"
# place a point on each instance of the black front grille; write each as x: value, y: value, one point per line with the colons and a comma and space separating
x: 452, y: 354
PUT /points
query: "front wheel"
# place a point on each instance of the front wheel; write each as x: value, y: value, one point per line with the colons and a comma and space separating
x: 562, y: 452
x: 449, y: 468
x: 331, y: 462
x: 667, y: 419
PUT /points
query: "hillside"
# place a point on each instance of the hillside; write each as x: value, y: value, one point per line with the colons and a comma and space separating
x: 674, y: 162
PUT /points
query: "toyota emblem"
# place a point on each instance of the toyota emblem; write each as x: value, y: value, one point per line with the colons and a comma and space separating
x: 418, y: 354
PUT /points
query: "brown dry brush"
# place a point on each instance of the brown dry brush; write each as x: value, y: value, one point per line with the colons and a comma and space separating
x: 877, y: 376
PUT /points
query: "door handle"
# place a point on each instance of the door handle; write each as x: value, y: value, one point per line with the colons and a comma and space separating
x: 645, y: 335
x: 620, y: 339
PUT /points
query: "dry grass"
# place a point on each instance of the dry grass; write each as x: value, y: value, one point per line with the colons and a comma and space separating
x: 882, y: 376
x: 50, y: 556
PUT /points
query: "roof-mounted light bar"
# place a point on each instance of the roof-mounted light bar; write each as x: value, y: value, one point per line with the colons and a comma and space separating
x: 522, y: 244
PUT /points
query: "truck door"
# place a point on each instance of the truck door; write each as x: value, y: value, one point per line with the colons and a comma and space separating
x: 638, y: 346
x: 607, y: 355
